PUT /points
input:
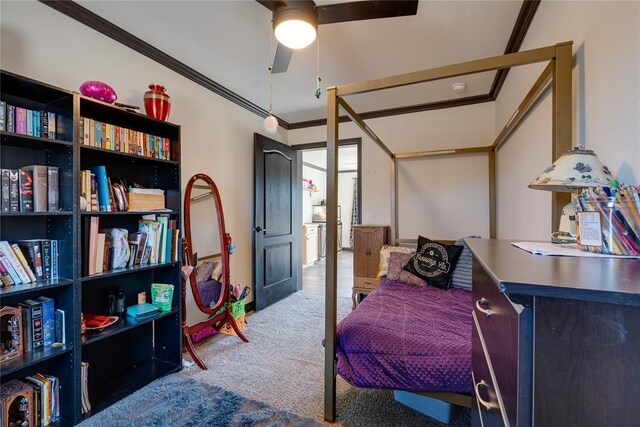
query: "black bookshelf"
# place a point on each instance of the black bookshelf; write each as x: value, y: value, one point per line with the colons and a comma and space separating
x: 127, y: 355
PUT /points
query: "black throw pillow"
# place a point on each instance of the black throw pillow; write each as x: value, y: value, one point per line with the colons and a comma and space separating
x: 434, y: 262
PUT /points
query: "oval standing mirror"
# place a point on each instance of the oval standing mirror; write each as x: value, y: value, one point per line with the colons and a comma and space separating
x: 206, y: 247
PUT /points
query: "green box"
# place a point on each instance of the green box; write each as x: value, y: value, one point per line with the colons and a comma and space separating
x: 237, y: 308
x: 162, y: 296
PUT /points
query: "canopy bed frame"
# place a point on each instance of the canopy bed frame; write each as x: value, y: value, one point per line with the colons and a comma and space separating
x: 557, y: 74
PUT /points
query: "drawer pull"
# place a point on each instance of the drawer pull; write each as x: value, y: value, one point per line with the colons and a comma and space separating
x: 483, y: 303
x: 488, y: 405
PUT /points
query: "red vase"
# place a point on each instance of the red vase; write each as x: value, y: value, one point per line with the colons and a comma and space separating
x: 157, y: 103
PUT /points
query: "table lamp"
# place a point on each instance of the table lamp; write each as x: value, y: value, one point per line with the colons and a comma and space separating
x: 573, y: 170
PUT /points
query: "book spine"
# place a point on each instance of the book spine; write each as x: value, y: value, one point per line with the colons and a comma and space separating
x: 51, y: 120
x: 9, y: 267
x: 26, y: 190
x: 44, y: 124
x: 23, y: 262
x: 98, y: 134
x: 14, y: 190
x: 60, y: 327
x: 21, y: 121
x: 45, y: 248
x: 105, y: 136
x: 94, y: 193
x: 48, y: 321
x: 92, y: 132
x: 55, y: 259
x: 40, y: 179
x: 85, y: 131
x: 11, y: 118
x: 112, y: 135
x: 27, y: 321
x: 53, y: 188
x: 7, y: 250
x: 38, y: 333
x: 5, y: 205
x: 29, y: 120
x: 37, y: 123
x: 3, y: 116
x: 31, y: 250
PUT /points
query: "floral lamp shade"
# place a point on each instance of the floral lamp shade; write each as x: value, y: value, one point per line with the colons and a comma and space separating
x: 574, y: 169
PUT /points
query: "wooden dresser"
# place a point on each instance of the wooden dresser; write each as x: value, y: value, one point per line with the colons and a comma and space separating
x: 310, y: 244
x: 367, y: 242
x: 556, y: 340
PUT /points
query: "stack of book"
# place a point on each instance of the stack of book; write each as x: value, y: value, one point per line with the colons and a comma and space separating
x: 23, y: 121
x: 46, y: 398
x: 155, y: 242
x: 42, y: 324
x: 101, y: 195
x: 28, y: 261
x: 32, y: 188
x: 116, y: 138
x: 84, y: 384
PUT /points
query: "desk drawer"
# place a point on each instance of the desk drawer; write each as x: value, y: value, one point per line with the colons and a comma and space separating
x: 499, y: 321
x: 485, y: 394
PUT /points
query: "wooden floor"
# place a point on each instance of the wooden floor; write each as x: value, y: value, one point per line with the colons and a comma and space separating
x: 313, y: 276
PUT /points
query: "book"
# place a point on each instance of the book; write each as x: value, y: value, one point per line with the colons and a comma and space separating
x: 152, y: 191
x: 103, y: 188
x: 45, y: 249
x: 151, y: 229
x: 112, y: 202
x: 7, y: 250
x: 44, y: 124
x: 46, y: 399
x: 14, y: 190
x: 48, y: 320
x: 100, y: 249
x: 40, y: 178
x: 55, y: 273
x: 15, y: 277
x: 53, y: 188
x: 117, y: 239
x: 29, y: 120
x: 55, y: 398
x: 91, y: 247
x: 5, y: 277
x: 86, y: 123
x: 176, y: 245
x: 11, y: 118
x: 32, y: 318
x: 94, y: 193
x: 51, y: 121
x: 142, y: 311
x: 169, y: 244
x: 3, y: 115
x: 60, y: 327
x: 26, y: 190
x: 5, y: 205
x: 31, y: 251
x: 23, y: 262
x: 38, y: 403
x: 21, y: 121
x: 163, y: 220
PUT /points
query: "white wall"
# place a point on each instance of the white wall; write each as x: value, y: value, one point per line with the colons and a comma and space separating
x: 606, y: 106
x: 319, y: 178
x: 217, y: 135
x: 428, y: 187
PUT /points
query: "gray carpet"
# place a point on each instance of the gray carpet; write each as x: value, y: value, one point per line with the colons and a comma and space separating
x: 282, y: 365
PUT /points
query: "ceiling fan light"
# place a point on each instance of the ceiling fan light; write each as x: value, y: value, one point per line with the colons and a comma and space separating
x: 295, y: 26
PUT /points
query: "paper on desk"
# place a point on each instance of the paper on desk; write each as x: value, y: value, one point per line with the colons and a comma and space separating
x: 567, y: 249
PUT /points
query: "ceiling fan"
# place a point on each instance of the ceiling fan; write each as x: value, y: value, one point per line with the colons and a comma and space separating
x: 303, y: 18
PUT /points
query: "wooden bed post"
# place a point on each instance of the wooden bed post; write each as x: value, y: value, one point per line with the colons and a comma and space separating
x: 562, y: 119
x: 492, y: 194
x: 331, y: 307
x: 394, y: 201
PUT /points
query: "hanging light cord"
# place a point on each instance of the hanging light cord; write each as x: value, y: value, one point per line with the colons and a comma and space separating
x: 318, y: 79
x: 270, y: 69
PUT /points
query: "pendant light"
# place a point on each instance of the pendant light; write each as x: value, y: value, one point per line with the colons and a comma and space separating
x: 270, y: 123
x: 296, y: 24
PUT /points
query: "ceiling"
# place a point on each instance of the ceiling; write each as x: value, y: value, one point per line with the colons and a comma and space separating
x: 347, y: 158
x: 228, y: 41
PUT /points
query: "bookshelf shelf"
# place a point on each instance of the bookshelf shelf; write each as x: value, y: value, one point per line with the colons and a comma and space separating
x: 128, y: 270
x: 128, y: 355
x: 118, y: 155
x: 122, y: 325
x: 128, y: 213
x: 122, y: 386
x: 21, y: 214
x: 33, y: 287
x: 33, y: 357
x: 33, y: 142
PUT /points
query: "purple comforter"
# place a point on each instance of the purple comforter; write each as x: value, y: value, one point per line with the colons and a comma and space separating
x: 404, y: 337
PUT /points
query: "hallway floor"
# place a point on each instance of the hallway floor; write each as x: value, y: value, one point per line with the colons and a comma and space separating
x: 313, y: 276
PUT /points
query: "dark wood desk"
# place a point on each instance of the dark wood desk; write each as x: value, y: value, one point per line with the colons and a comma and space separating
x: 556, y: 339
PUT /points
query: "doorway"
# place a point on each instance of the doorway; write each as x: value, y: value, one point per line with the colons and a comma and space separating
x: 313, y: 200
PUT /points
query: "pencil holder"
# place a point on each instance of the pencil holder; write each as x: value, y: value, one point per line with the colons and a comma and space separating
x: 608, y: 225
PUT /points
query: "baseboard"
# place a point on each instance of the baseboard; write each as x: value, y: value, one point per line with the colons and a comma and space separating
x: 250, y: 306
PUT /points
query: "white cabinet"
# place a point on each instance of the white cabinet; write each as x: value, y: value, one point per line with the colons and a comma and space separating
x: 309, y: 244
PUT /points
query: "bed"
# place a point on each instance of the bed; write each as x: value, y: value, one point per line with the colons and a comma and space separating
x: 389, y: 314
x: 404, y: 337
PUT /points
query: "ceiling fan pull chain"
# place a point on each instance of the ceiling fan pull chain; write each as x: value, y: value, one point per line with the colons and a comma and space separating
x: 318, y: 79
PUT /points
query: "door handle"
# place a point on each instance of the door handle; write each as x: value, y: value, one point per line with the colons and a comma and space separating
x: 259, y: 229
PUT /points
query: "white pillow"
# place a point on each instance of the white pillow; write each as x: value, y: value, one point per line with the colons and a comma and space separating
x: 385, y: 252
